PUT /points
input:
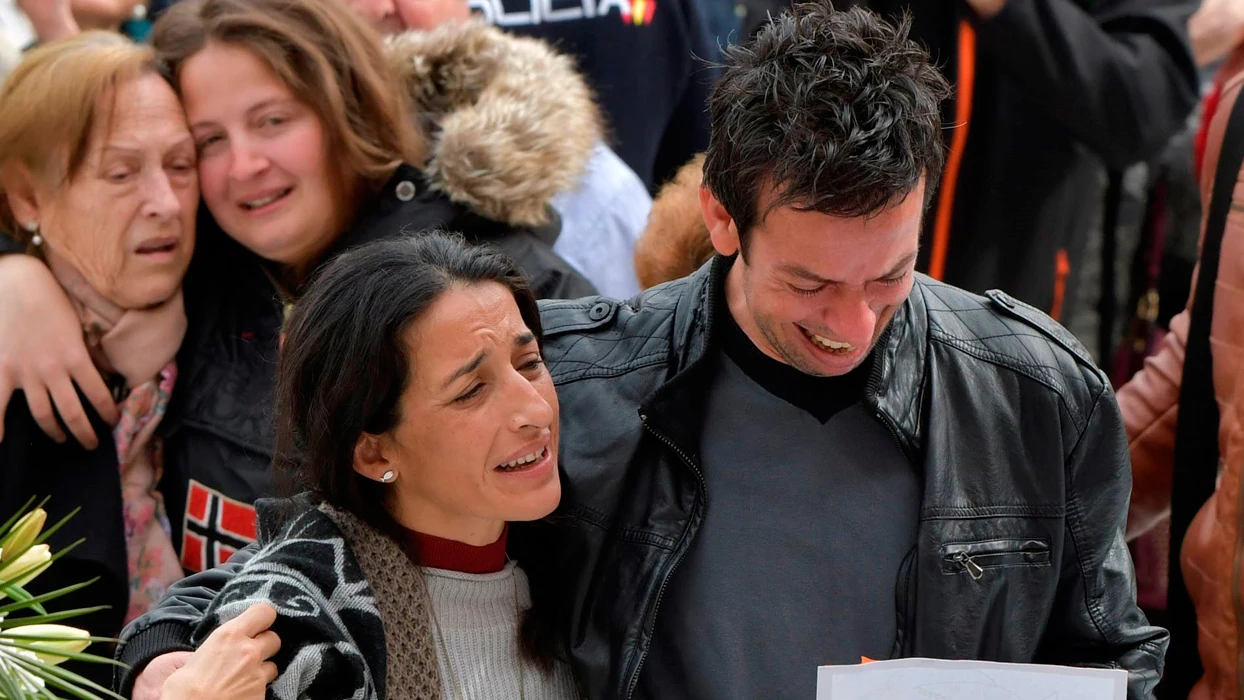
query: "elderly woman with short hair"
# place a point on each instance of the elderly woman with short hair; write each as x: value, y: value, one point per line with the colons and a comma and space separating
x: 97, y: 178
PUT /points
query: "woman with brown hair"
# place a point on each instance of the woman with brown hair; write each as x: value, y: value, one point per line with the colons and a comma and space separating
x: 306, y: 149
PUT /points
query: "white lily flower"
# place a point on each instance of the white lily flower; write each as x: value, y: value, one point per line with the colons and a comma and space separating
x: 25, y: 568
x: 23, y: 533
x: 49, y: 639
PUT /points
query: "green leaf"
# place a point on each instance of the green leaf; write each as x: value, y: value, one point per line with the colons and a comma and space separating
x: 64, y: 550
x: 38, y: 638
x: 19, y: 595
x: 66, y: 677
x: 42, y: 598
x: 72, y: 655
x: 49, y: 531
x: 10, y: 623
x: 65, y: 686
x: 4, y: 529
x: 55, y: 557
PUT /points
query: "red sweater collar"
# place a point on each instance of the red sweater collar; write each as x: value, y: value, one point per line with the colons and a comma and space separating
x: 439, y: 553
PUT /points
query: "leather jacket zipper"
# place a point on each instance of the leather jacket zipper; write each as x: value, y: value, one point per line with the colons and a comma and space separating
x: 871, y: 389
x: 965, y: 560
x: 643, y: 655
x: 975, y: 558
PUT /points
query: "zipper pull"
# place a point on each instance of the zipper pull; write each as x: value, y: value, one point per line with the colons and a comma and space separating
x: 974, y: 570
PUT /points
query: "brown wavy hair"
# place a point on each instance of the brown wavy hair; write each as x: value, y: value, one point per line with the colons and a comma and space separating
x: 325, y: 54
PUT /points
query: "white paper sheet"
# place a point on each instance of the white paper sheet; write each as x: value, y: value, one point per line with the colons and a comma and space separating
x: 929, y: 679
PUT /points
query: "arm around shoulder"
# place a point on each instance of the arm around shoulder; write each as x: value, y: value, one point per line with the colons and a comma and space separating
x: 171, y: 625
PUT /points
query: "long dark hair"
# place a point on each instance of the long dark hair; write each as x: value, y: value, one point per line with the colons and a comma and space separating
x: 345, y: 363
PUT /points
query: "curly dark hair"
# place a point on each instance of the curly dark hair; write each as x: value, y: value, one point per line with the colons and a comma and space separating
x: 837, y: 112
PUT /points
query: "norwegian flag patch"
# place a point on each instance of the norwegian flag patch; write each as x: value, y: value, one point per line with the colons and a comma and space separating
x: 214, y: 528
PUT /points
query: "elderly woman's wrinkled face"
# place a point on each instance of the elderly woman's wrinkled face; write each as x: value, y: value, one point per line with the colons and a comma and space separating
x: 125, y: 220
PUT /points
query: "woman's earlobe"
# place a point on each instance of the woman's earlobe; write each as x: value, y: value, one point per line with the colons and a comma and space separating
x: 370, y: 461
x: 19, y: 192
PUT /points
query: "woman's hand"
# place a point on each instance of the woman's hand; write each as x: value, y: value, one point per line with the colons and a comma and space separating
x: 231, y: 663
x: 42, y: 352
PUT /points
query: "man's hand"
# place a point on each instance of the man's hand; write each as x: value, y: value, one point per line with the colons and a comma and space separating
x: 42, y: 352
x: 231, y: 663
x: 1216, y: 29
x: 986, y: 9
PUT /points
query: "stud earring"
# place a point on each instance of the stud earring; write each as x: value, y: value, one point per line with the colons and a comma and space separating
x: 32, y: 226
x: 388, y: 477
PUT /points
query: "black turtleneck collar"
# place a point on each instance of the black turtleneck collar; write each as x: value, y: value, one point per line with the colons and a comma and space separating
x: 820, y: 396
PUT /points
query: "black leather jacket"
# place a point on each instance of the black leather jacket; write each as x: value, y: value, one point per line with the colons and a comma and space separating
x: 1020, y: 553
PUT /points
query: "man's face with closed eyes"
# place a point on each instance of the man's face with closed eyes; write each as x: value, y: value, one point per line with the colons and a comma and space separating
x: 816, y: 291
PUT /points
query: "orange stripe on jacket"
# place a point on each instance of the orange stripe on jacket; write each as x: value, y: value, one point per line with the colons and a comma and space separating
x: 950, y: 179
x: 1062, y: 270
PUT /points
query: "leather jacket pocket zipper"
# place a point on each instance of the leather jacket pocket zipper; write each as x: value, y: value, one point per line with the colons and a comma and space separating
x: 975, y: 558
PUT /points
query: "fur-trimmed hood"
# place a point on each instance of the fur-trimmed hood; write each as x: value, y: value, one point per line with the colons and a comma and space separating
x: 676, y: 242
x: 509, y: 121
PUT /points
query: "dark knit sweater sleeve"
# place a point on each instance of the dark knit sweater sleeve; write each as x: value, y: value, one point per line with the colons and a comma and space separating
x: 157, y: 640
x: 331, y: 632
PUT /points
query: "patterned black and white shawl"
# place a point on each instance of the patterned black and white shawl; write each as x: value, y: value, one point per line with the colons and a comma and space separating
x: 313, y: 567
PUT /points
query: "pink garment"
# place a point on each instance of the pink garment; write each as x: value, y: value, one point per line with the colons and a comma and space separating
x: 139, y: 345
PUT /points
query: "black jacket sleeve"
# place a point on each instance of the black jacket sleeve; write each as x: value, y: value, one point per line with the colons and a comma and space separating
x: 1096, y: 621
x: 170, y: 626
x: 1119, y: 76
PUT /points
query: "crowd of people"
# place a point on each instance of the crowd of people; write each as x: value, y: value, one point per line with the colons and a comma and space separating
x: 627, y: 348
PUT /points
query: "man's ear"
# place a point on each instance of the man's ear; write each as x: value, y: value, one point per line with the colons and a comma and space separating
x: 370, y: 457
x: 720, y: 225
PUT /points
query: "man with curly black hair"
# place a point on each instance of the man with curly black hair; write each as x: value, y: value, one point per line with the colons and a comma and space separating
x: 805, y: 452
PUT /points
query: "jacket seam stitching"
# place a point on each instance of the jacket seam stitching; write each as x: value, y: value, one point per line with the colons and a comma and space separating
x: 1037, y: 323
x: 1075, y: 529
x: 1010, y: 363
x: 637, y: 363
x: 591, y: 516
x: 641, y: 537
x: 998, y: 511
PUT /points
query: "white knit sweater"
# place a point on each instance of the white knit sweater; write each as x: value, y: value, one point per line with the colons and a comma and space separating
x: 476, y: 623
